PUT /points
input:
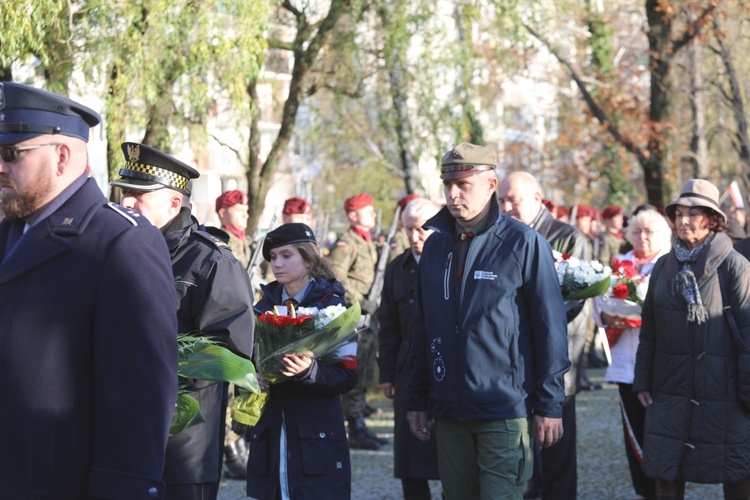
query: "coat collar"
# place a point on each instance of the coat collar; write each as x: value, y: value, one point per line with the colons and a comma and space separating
x: 53, y: 235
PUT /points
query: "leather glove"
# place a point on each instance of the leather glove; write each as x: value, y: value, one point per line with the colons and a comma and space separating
x: 368, y: 306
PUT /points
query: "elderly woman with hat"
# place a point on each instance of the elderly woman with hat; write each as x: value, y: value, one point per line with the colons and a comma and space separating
x: 692, y: 369
x: 298, y: 448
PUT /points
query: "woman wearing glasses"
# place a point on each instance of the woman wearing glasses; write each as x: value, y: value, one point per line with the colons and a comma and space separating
x: 692, y: 373
x: 649, y: 234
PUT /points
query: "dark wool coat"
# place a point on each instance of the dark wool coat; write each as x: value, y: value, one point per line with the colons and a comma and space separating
x: 214, y: 298
x: 317, y: 455
x: 412, y: 458
x: 565, y: 238
x: 696, y: 429
x: 88, y: 354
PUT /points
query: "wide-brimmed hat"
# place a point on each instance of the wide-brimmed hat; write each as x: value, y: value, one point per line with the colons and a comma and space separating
x: 697, y: 193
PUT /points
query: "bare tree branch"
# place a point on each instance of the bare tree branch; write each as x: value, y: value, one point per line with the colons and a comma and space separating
x: 225, y: 145
x: 594, y: 107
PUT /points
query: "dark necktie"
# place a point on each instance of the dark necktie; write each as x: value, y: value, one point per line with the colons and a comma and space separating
x: 463, y: 250
x: 14, y: 234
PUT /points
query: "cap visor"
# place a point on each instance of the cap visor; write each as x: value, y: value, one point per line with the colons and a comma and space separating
x: 136, y: 184
x: 460, y: 174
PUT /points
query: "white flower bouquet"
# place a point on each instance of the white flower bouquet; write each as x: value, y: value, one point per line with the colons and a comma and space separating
x: 581, y: 279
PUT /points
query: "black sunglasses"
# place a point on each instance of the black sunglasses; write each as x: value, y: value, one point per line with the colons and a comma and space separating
x: 9, y: 154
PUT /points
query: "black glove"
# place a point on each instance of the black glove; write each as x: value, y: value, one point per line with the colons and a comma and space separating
x: 368, y: 306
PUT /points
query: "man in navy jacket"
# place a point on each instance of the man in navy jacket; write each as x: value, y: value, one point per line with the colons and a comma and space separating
x: 489, y: 348
x: 88, y: 332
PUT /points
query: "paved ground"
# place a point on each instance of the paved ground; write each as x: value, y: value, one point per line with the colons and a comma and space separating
x: 602, y: 467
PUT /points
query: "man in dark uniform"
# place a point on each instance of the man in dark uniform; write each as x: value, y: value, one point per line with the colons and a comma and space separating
x: 354, y: 259
x: 88, y: 350
x: 520, y: 196
x: 213, y: 298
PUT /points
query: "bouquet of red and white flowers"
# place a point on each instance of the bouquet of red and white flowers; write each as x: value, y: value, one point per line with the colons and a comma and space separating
x: 624, y: 299
x: 326, y: 333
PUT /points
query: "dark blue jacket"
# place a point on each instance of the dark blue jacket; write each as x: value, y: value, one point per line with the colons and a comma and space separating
x: 498, y: 348
x: 310, y: 407
x: 88, y: 354
x: 213, y: 297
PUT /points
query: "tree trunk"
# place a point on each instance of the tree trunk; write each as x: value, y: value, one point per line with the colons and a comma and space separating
x: 698, y: 158
x: 309, y: 40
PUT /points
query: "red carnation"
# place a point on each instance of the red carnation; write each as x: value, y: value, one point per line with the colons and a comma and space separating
x: 620, y: 291
x: 282, y: 321
x: 625, y: 268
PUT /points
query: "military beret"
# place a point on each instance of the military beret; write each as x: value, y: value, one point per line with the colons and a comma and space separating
x: 551, y: 205
x: 231, y: 198
x: 148, y: 169
x: 26, y: 112
x: 562, y: 211
x: 358, y: 201
x: 296, y: 205
x: 406, y: 200
x: 585, y: 211
x: 286, y: 234
x: 611, y: 211
x: 467, y: 159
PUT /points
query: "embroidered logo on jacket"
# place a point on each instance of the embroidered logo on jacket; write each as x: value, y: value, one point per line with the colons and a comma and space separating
x: 438, y: 366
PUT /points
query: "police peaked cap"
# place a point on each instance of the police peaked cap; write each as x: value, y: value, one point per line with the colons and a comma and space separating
x: 148, y: 169
x: 27, y: 112
x: 286, y: 234
x: 467, y: 159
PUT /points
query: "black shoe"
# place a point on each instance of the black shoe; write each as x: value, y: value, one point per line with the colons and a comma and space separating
x: 359, y: 440
x: 235, y: 462
x: 372, y: 435
x: 588, y: 385
x: 360, y: 437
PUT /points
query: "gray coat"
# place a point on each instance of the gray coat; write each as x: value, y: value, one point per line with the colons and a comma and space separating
x: 697, y: 428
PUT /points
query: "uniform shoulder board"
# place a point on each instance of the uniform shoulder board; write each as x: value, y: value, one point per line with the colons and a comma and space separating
x: 341, y: 243
x: 216, y: 241
x: 130, y: 215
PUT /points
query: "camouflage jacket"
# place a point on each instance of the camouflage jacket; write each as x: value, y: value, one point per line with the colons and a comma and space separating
x: 353, y: 260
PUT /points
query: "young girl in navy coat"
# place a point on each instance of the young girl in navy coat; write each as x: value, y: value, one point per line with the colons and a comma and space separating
x: 298, y: 448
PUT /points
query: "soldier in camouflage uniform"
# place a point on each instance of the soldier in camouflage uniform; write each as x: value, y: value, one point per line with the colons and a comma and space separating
x: 232, y: 209
x: 354, y: 259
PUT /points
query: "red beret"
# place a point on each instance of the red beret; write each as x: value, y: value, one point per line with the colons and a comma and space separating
x: 358, y: 201
x: 406, y: 200
x: 585, y: 211
x: 561, y: 211
x: 551, y: 205
x: 296, y: 205
x: 230, y: 199
x: 611, y: 211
